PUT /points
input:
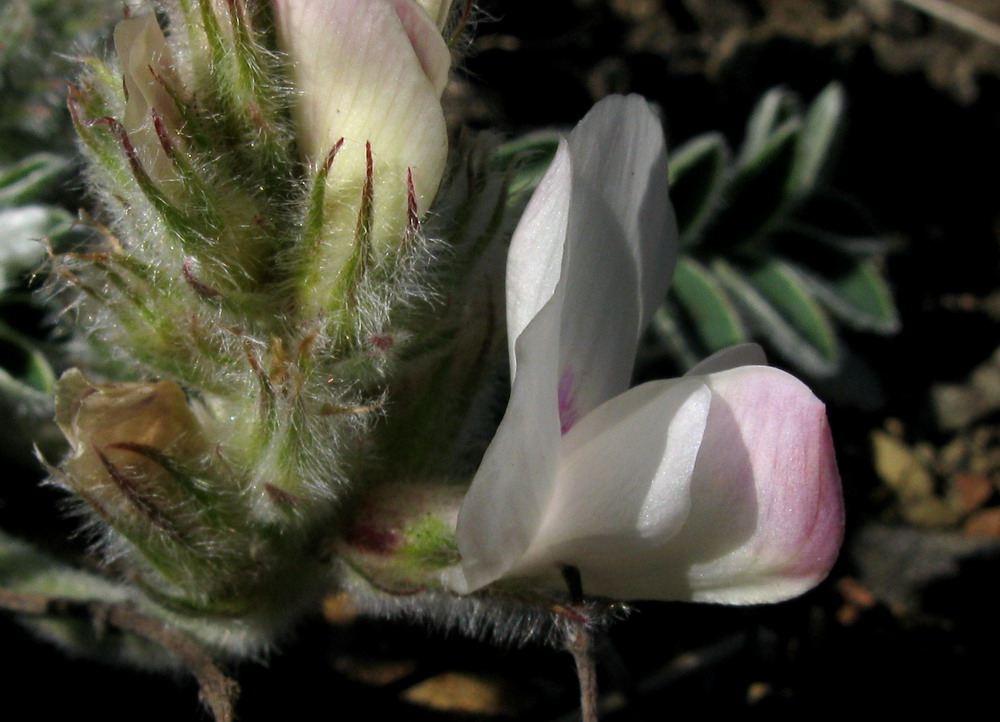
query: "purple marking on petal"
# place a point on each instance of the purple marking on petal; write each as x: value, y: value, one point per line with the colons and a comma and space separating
x: 568, y: 415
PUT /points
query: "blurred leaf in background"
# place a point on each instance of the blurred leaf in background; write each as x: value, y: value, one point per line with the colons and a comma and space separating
x: 31, y: 353
x: 770, y: 252
x: 38, y: 42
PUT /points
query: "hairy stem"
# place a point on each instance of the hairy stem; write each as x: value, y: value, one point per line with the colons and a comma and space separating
x: 216, y: 690
x: 578, y: 642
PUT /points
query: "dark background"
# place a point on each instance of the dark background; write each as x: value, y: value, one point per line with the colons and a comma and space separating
x: 921, y: 153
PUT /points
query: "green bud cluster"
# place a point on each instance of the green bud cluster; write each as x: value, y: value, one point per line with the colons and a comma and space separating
x: 277, y: 344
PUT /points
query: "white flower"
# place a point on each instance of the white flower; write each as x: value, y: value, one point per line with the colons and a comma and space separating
x: 720, y: 486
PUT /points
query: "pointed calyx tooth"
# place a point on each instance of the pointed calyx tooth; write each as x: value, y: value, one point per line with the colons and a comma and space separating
x: 412, y: 211
x: 141, y: 499
x: 202, y: 289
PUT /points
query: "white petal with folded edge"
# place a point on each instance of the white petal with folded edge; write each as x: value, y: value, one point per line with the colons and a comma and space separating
x: 765, y: 516
x: 534, y: 261
x: 425, y: 35
x: 720, y: 487
x: 619, y: 150
x: 620, y: 243
x: 622, y: 485
x: 503, y: 508
x: 142, y: 50
x: 438, y: 10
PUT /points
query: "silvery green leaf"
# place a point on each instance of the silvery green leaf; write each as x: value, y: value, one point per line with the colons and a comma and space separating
x: 27, y: 384
x: 671, y: 338
x: 756, y: 195
x: 21, y: 397
x: 698, y: 177
x: 839, y: 222
x: 29, y: 413
x: 22, y: 231
x: 774, y: 297
x: 706, y: 307
x: 823, y: 123
x: 857, y: 294
x: 771, y: 112
x: 858, y: 246
x: 30, y: 178
x: 25, y: 363
x: 26, y: 570
x: 529, y: 158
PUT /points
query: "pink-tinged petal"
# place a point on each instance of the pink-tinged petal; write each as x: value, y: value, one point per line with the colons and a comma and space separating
x: 759, y: 517
x: 766, y: 516
x: 503, y: 508
x: 368, y: 71
x: 744, y: 354
x: 425, y: 36
x: 623, y: 484
x: 621, y: 237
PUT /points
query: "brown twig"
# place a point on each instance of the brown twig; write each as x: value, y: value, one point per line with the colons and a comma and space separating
x: 217, y: 691
x: 959, y: 17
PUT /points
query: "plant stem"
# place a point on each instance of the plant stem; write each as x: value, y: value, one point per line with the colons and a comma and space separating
x: 578, y: 642
x: 217, y: 691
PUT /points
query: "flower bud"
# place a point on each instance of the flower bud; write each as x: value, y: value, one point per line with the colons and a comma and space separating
x: 438, y: 10
x: 147, y: 68
x: 401, y: 536
x: 265, y: 170
x: 368, y: 77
